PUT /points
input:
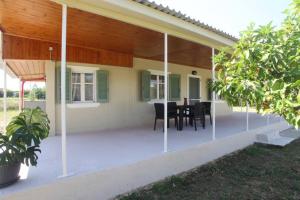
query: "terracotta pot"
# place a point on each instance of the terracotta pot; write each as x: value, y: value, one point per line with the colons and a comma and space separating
x: 9, y: 174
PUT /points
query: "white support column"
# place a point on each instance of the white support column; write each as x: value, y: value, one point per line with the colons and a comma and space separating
x: 247, y: 117
x: 4, y: 95
x: 241, y: 104
x: 213, y: 98
x: 166, y: 92
x: 20, y: 95
x: 63, y: 90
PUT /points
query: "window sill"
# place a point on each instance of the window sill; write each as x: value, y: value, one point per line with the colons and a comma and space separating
x: 153, y: 101
x: 83, y: 105
x: 160, y: 101
x: 216, y: 101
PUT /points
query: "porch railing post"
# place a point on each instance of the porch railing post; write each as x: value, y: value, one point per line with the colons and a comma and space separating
x: 4, y: 95
x: 247, y: 117
x: 20, y: 95
x: 166, y: 92
x: 63, y: 89
x: 213, y: 98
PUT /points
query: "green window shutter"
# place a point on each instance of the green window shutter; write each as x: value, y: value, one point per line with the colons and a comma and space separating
x: 174, y: 87
x: 102, y: 86
x: 145, y: 85
x: 209, y: 89
x: 58, y: 84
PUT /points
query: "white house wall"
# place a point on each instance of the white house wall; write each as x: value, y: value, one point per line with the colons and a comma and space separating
x: 50, y: 94
x: 125, y: 109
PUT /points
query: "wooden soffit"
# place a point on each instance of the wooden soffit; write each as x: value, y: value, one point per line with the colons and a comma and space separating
x: 35, y: 25
x: 27, y: 70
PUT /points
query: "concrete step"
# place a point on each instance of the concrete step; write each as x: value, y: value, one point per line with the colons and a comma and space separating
x: 274, y: 137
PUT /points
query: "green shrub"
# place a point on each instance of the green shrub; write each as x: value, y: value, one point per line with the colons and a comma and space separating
x: 23, y: 137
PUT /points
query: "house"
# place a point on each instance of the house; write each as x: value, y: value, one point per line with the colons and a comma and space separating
x: 105, y: 64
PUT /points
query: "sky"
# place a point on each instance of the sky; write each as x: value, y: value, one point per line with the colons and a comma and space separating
x: 231, y: 16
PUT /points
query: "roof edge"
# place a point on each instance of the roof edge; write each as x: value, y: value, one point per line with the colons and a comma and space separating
x: 184, y: 17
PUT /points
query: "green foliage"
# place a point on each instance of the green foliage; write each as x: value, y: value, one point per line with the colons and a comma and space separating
x: 264, y: 68
x: 10, y: 151
x: 23, y: 137
x: 37, y: 93
x: 9, y: 93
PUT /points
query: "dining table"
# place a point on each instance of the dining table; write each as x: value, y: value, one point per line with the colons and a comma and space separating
x: 181, y: 109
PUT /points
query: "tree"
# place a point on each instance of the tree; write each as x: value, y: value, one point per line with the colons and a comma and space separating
x: 263, y: 69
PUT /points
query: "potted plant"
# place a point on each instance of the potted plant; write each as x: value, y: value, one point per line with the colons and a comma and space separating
x: 21, y: 143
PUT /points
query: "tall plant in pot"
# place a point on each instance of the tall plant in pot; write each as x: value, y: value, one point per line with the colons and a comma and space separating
x: 21, y: 143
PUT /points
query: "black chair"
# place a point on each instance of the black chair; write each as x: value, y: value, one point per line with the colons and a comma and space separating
x: 172, y: 113
x: 192, y: 102
x: 172, y: 109
x: 199, y: 114
x: 208, y: 110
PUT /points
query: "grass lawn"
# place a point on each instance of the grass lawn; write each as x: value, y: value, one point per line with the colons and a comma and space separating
x: 12, y: 103
x: 257, y: 172
x: 10, y: 114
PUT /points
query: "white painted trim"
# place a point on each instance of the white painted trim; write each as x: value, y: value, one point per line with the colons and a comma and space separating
x: 83, y: 105
x: 247, y: 117
x: 4, y: 95
x: 157, y: 73
x: 188, y: 86
x: 63, y: 89
x: 82, y: 83
x: 153, y: 101
x: 217, y: 101
x: 20, y: 99
x: 166, y: 93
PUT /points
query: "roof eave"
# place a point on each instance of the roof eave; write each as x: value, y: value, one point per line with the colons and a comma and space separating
x: 138, y: 14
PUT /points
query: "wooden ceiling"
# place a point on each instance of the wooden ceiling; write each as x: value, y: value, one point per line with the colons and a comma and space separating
x: 27, y: 69
x: 41, y: 20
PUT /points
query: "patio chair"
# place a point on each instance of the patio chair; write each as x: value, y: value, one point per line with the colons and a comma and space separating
x: 208, y: 110
x: 199, y: 114
x: 172, y: 113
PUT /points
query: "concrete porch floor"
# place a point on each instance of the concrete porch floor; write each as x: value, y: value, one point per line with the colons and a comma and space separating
x: 88, y: 152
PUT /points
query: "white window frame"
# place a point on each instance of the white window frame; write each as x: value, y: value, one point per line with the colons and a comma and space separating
x: 157, y: 73
x: 84, y: 104
x: 188, y: 86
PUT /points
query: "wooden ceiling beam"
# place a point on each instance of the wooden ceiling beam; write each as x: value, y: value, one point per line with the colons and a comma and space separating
x: 29, y: 49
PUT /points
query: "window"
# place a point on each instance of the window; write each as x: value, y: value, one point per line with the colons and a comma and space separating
x: 157, y: 87
x: 83, y: 86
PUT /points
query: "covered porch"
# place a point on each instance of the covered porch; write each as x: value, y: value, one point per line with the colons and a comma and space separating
x: 116, y: 131
x: 91, y: 152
